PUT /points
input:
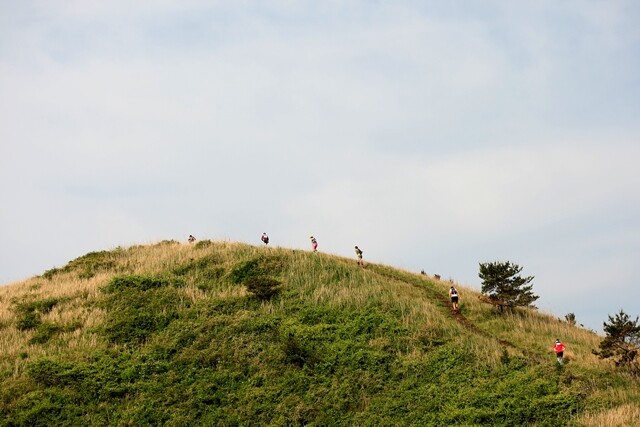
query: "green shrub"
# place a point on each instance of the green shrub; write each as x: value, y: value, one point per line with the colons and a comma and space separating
x: 29, y: 312
x: 28, y: 320
x: 205, y: 271
x: 134, y: 282
x: 202, y: 244
x: 261, y: 265
x: 296, y: 353
x: 51, y: 373
x: 133, y: 327
x: 44, y: 332
x: 48, y: 274
x: 43, y: 306
x: 73, y: 326
x: 139, y: 306
x: 87, y: 265
x: 262, y: 287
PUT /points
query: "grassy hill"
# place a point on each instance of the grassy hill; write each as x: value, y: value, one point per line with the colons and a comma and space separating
x: 169, y: 334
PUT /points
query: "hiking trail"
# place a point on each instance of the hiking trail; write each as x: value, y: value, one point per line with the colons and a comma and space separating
x: 444, y: 302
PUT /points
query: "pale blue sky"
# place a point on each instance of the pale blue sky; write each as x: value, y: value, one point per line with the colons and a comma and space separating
x: 434, y: 135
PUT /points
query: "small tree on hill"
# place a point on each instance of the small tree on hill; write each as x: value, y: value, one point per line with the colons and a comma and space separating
x: 504, y: 287
x: 570, y: 318
x: 622, y: 342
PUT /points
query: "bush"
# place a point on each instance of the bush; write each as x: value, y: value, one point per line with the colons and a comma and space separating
x: 206, y: 268
x: 50, y: 273
x: 50, y: 373
x: 45, y: 332
x: 262, y: 287
x: 296, y: 353
x: 87, y: 265
x: 141, y: 283
x: 42, y: 306
x: 202, y: 244
x: 28, y: 320
x: 29, y: 312
x: 139, y: 306
x: 261, y: 265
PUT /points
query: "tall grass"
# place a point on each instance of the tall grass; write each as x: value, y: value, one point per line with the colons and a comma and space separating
x: 528, y: 328
x: 626, y: 415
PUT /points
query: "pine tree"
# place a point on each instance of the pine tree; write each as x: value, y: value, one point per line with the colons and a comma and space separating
x: 570, y: 318
x: 622, y: 342
x: 504, y: 286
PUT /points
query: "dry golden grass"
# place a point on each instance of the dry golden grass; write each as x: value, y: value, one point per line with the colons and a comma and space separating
x: 627, y: 415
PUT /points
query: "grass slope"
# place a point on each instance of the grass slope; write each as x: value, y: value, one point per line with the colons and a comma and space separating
x: 168, y: 334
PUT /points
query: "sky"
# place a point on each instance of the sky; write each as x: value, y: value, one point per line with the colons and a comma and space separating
x: 434, y: 135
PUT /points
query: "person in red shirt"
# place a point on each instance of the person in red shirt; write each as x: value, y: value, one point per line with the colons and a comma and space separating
x: 559, y: 349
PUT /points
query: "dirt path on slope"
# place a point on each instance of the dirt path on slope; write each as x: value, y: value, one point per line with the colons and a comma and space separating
x: 444, y: 302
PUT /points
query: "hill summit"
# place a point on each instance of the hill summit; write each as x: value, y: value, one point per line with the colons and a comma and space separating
x: 220, y: 333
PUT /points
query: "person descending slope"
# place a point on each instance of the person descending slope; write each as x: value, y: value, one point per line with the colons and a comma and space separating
x: 191, y: 238
x: 453, y: 294
x: 314, y: 244
x: 265, y: 238
x: 359, y: 255
x: 559, y: 348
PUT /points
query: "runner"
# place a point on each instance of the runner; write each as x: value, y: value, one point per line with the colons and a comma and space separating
x: 453, y: 294
x: 559, y: 348
x: 314, y: 244
x: 191, y: 238
x: 359, y: 254
x: 265, y: 238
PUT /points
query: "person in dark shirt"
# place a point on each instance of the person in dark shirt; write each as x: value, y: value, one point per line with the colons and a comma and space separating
x: 359, y: 255
x: 453, y: 294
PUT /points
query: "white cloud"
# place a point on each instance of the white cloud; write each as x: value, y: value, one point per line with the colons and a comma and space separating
x: 496, y: 192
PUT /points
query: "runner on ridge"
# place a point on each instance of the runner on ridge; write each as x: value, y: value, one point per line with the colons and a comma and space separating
x: 453, y: 294
x: 359, y: 254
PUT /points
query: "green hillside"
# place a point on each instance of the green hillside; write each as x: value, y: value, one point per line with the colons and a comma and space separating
x: 229, y: 334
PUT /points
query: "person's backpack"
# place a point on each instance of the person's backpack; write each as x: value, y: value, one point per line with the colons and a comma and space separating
x: 454, y: 292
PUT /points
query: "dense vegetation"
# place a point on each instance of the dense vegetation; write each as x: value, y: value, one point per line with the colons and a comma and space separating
x: 231, y: 334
